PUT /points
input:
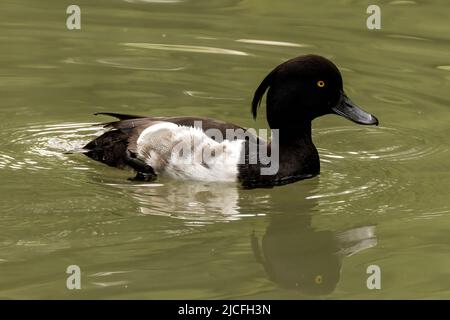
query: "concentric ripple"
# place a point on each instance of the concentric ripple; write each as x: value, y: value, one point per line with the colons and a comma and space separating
x: 393, y: 144
x: 349, y: 154
x: 42, y: 147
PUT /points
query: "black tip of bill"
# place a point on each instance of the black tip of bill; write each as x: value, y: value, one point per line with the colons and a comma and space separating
x: 349, y: 110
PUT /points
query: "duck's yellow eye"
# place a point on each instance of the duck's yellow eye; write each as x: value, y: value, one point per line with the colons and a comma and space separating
x: 318, y: 279
x: 321, y: 83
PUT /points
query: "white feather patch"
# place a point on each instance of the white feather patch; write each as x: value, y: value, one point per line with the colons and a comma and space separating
x: 188, y: 153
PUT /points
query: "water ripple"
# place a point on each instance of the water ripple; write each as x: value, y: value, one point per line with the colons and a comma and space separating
x: 393, y: 144
x: 35, y: 145
x: 446, y: 68
x: 135, y: 63
x: 348, y: 153
x: 274, y: 43
x: 205, y: 95
x: 185, y: 48
x: 43, y: 147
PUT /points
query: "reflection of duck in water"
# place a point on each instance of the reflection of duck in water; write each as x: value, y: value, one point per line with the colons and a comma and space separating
x: 296, y: 256
x: 199, y: 202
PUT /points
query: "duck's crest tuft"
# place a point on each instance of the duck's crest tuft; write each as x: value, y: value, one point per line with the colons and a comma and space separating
x: 259, y: 93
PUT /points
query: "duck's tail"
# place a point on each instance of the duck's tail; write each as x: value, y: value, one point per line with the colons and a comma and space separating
x: 76, y: 151
x: 120, y: 116
x: 109, y: 148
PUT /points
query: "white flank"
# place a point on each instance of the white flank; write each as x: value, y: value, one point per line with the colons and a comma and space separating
x: 188, y: 153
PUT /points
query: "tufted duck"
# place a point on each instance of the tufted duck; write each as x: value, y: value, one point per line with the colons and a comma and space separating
x: 298, y: 91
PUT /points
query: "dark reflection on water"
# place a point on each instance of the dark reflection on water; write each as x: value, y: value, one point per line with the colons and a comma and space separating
x: 296, y: 256
x: 292, y: 251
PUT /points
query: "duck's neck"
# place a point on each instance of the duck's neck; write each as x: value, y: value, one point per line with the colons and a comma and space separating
x: 296, y: 159
x: 298, y: 155
x: 299, y: 136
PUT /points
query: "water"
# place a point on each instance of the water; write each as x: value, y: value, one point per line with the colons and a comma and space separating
x: 381, y: 199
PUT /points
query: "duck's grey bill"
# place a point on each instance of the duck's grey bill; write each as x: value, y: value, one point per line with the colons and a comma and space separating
x: 348, y: 109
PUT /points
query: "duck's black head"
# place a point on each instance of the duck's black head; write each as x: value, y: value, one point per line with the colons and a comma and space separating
x: 304, y: 88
